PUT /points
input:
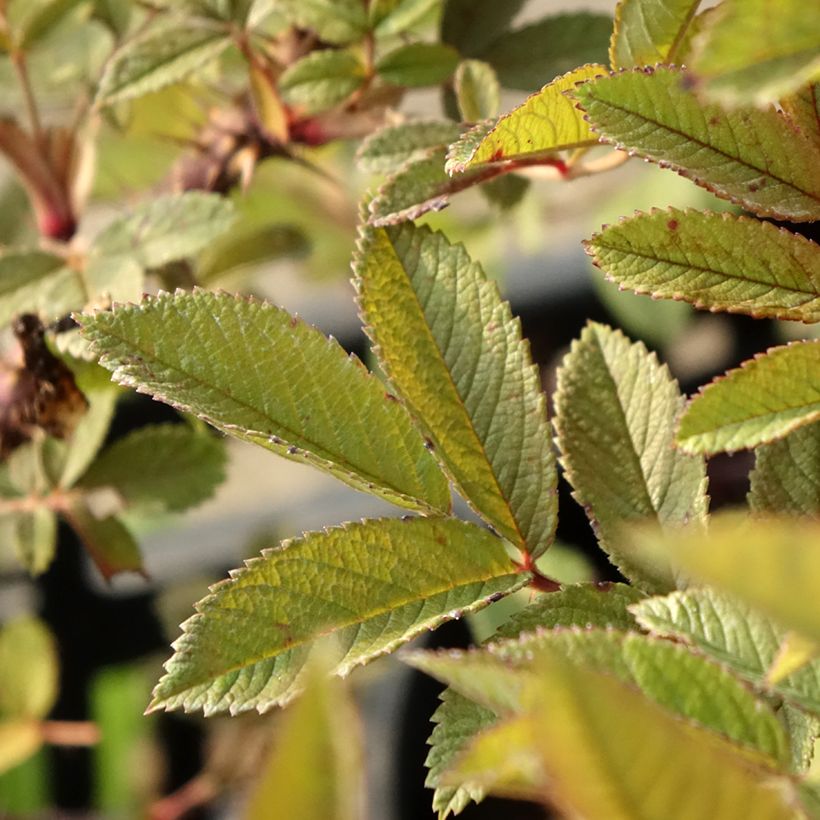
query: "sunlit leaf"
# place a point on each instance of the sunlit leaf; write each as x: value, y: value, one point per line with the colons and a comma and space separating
x: 794, y: 653
x: 720, y: 262
x: 252, y: 370
x: 161, y: 56
x: 733, y: 633
x: 19, y: 740
x: 389, y: 147
x: 616, y: 409
x: 375, y: 585
x: 749, y: 54
x: 321, y: 79
x: 453, y: 351
x: 647, y: 32
x: 547, y: 122
x: 762, y: 400
x: 786, y: 475
x: 751, y: 157
x: 418, y: 64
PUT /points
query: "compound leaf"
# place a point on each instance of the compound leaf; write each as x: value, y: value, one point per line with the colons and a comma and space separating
x: 760, y: 401
x: 647, y: 32
x: 252, y: 370
x: 374, y: 585
x: 453, y: 351
x: 547, y: 122
x: 616, y: 409
x: 163, y: 467
x: 751, y: 157
x: 720, y: 262
x: 754, y: 52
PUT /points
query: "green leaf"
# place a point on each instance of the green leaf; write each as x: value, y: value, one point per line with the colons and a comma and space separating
x: 471, y: 25
x: 393, y: 17
x: 389, y: 147
x: 477, y: 90
x: 803, y: 109
x: 335, y: 21
x: 108, y: 541
x: 458, y: 719
x: 647, y: 32
x: 719, y: 262
x: 420, y: 186
x: 749, y: 54
x: 374, y: 585
x: 32, y: 21
x: 750, y: 157
x: 321, y: 80
x: 601, y: 749
x: 28, y: 669
x: 733, y: 633
x: 35, y: 538
x: 168, y: 228
x: 418, y: 64
x: 529, y: 57
x: 453, y: 351
x: 780, y: 560
x: 161, y: 56
x: 616, y: 409
x: 254, y: 371
x: 38, y: 282
x: 760, y: 401
x: 314, y: 771
x: 506, y: 191
x: 161, y: 467
x: 547, y: 122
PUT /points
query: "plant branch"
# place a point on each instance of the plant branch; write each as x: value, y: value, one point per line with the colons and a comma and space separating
x: 18, y: 60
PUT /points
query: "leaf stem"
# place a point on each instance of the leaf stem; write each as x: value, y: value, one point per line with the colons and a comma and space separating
x: 540, y: 582
x: 18, y: 60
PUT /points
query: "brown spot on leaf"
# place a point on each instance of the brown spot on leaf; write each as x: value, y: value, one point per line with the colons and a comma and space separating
x: 672, y: 224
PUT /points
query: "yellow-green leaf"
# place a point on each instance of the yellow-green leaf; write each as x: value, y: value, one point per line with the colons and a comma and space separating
x: 321, y: 80
x: 647, y: 32
x: 546, y: 122
x: 477, y: 90
x: 418, y: 64
x: 616, y: 409
x: 386, y: 149
x: 803, y: 109
x: 794, y: 653
x: 453, y: 351
x: 719, y: 262
x: 762, y: 400
x: 756, y: 51
x: 28, y: 669
x: 252, y: 370
x: 373, y: 585
x: 751, y: 157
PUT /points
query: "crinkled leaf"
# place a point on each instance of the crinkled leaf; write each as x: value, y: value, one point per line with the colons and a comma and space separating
x: 108, y: 541
x: 760, y: 401
x: 731, y: 632
x: 251, y: 369
x: 647, y: 32
x: 418, y: 64
x: 803, y: 109
x: 394, y: 145
x: 602, y: 750
x: 162, y: 467
x: 753, y: 52
x: 168, y: 228
x: 335, y: 21
x: 471, y: 25
x: 35, y: 538
x: 375, y: 585
x: 314, y: 770
x: 616, y: 409
x: 419, y: 186
x: 321, y: 79
x: 161, y: 56
x: 38, y: 282
x: 547, y: 122
x: 780, y: 560
x: 716, y: 261
x: 786, y: 475
x: 751, y: 157
x: 477, y: 90
x: 458, y: 719
x: 453, y: 351
x: 530, y: 57
x: 28, y: 669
